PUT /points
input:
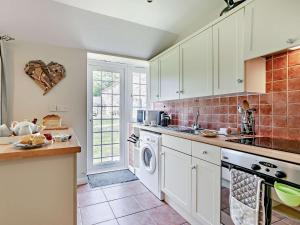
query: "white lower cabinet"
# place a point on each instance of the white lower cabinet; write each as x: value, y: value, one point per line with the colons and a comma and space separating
x: 176, y: 177
x: 206, y: 192
x: 191, y: 179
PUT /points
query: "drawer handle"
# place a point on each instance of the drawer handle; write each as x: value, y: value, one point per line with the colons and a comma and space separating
x: 204, y: 152
x: 162, y: 153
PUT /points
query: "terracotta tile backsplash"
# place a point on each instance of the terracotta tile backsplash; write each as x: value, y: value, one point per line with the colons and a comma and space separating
x: 278, y: 111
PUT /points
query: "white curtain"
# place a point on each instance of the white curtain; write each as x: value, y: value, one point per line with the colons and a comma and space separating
x: 3, y: 87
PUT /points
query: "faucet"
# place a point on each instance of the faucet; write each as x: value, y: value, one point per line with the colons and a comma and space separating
x: 196, y: 125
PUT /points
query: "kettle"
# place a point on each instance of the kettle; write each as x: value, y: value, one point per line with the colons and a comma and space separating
x: 165, y: 119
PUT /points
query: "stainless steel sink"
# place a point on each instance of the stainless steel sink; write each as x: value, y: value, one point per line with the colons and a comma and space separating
x: 190, y: 131
x: 184, y: 129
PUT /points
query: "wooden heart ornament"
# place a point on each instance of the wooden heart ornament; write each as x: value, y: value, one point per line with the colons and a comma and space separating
x: 46, y: 76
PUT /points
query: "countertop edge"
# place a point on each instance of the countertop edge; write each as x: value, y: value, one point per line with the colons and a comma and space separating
x: 220, y: 142
x: 39, y: 153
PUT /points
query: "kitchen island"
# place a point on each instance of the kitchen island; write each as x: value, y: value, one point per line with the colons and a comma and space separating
x: 38, y: 186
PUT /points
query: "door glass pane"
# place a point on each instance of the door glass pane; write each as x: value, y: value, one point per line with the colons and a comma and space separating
x: 106, y: 114
x: 135, y: 89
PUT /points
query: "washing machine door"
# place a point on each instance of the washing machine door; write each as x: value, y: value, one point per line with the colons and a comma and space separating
x: 148, y: 158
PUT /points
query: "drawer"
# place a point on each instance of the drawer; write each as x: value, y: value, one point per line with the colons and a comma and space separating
x: 209, y: 153
x: 179, y: 144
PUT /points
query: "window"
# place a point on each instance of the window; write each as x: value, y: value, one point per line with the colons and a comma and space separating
x: 139, y: 92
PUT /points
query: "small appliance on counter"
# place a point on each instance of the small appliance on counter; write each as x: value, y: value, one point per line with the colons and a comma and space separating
x: 165, y: 119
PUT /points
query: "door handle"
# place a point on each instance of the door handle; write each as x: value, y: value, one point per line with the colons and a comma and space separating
x: 194, y: 167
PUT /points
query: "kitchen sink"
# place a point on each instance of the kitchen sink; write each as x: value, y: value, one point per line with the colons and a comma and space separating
x: 184, y: 129
x: 190, y: 131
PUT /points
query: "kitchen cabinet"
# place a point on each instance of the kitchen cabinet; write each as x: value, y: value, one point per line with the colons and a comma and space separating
x: 271, y: 25
x: 169, y: 75
x: 228, y: 41
x: 197, y: 66
x: 176, y: 177
x: 154, y: 80
x: 206, y: 183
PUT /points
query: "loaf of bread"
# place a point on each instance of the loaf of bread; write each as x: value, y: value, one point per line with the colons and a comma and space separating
x: 52, y: 121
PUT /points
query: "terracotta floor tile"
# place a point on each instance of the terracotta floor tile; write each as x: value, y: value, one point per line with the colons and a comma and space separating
x: 125, y: 206
x: 90, y: 198
x: 148, y: 200
x: 165, y: 215
x: 125, y: 190
x: 110, y: 222
x: 83, y: 188
x: 291, y: 222
x: 142, y: 218
x: 96, y: 214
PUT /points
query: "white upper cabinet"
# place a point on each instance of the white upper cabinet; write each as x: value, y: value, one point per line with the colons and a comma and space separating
x: 169, y: 75
x: 228, y: 41
x: 271, y: 25
x: 154, y: 80
x: 197, y: 66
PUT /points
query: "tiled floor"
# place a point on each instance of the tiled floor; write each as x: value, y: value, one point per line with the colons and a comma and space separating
x: 123, y: 204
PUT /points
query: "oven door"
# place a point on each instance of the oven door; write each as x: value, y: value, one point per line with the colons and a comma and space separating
x: 277, y: 214
x: 225, y: 190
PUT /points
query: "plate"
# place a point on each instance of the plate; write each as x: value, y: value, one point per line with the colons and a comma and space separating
x: 27, y: 146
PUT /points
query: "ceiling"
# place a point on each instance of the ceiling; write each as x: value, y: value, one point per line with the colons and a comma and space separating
x: 169, y: 15
x: 131, y: 28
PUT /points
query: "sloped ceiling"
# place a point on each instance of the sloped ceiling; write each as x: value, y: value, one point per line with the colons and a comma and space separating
x: 50, y: 22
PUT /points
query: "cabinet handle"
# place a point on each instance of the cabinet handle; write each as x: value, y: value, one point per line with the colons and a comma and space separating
x: 204, y: 152
x: 240, y: 81
x: 157, y: 96
x: 162, y: 153
x: 181, y: 92
x: 177, y: 92
x: 194, y: 167
x: 291, y: 41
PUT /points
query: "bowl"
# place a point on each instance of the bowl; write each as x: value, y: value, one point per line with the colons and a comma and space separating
x: 287, y: 194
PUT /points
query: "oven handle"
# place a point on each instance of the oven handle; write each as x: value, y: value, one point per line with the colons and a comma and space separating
x: 268, y: 179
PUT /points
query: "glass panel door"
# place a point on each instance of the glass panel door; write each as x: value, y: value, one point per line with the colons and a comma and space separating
x: 106, y: 95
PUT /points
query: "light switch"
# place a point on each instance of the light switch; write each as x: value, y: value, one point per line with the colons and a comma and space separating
x: 53, y: 108
x: 62, y: 108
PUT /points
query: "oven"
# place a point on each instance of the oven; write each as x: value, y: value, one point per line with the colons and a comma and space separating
x: 271, y: 171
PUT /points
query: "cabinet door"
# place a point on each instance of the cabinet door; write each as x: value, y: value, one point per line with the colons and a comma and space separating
x: 197, y: 66
x: 176, y: 177
x: 228, y: 40
x: 206, y: 187
x: 271, y: 25
x: 169, y: 75
x: 154, y: 80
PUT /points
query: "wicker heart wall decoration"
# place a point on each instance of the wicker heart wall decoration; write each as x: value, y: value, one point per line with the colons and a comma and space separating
x: 46, y: 76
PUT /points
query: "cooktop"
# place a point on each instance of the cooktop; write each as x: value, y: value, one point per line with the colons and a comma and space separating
x: 271, y: 143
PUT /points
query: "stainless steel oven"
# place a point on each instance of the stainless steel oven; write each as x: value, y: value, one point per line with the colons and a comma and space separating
x: 270, y: 170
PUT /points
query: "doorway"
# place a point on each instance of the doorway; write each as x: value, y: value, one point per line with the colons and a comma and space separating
x: 106, y: 98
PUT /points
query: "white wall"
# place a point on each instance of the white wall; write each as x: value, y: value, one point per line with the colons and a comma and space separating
x: 26, y: 97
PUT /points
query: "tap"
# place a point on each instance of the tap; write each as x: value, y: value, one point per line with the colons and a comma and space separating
x: 196, y: 125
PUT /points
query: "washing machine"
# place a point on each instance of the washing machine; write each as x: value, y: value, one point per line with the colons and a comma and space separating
x: 149, y: 169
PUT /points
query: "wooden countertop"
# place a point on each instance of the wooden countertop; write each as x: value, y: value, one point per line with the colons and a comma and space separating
x: 221, y: 142
x: 9, y: 152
